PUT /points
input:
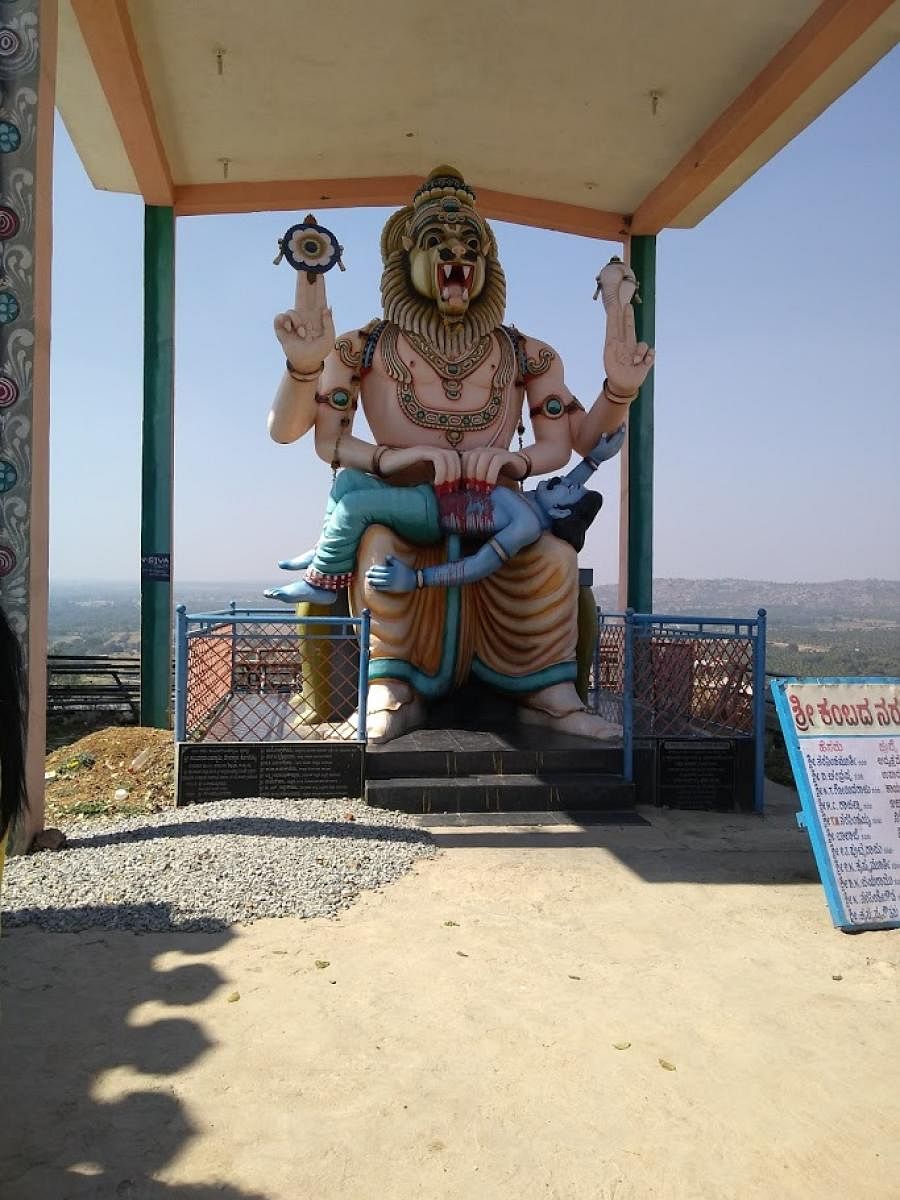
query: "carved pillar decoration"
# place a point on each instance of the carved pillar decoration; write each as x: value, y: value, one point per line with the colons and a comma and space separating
x: 27, y: 76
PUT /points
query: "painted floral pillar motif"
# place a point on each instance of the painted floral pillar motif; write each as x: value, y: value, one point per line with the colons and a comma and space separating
x: 27, y: 72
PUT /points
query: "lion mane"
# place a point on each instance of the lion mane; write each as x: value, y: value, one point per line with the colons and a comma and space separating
x: 414, y: 313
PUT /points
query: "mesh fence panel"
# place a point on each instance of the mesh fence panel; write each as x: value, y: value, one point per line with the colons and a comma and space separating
x: 691, y: 684
x: 607, y: 685
x: 688, y: 682
x: 208, y: 675
x: 272, y: 681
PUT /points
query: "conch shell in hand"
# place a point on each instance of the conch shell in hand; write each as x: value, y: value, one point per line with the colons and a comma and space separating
x: 617, y: 283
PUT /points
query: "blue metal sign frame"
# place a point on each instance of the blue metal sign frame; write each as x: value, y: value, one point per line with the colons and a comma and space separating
x: 810, y: 817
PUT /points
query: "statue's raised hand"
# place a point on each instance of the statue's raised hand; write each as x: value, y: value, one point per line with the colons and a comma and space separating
x: 306, y: 331
x: 626, y: 360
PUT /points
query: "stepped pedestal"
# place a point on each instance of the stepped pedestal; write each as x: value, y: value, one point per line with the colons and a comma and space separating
x: 517, y: 769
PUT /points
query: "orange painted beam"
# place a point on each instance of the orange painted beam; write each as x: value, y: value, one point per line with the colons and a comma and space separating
x: 817, y: 45
x: 107, y: 32
x: 209, y: 199
x: 206, y: 199
x: 553, y: 214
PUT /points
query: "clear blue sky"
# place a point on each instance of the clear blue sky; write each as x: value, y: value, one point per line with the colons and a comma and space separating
x: 777, y: 378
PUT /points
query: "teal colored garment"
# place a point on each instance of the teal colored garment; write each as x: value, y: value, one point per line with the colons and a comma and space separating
x: 359, y: 500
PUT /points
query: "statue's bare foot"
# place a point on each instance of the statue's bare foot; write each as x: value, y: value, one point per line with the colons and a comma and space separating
x: 580, y: 724
x: 299, y: 591
x: 560, y: 708
x: 300, y: 562
x: 393, y: 708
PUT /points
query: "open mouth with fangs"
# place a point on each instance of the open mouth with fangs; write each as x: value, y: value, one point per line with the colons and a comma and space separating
x: 454, y: 281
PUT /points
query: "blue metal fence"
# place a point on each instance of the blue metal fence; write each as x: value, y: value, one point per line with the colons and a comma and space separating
x: 269, y: 675
x: 670, y: 676
x: 248, y: 675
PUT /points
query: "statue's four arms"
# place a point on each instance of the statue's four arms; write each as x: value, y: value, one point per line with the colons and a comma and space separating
x: 444, y: 384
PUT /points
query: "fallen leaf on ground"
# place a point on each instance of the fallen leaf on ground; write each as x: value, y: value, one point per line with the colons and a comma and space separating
x: 233, y: 996
x: 322, y: 963
x: 574, y: 976
x: 462, y: 954
x: 666, y: 1065
x: 621, y: 1045
x: 452, y: 924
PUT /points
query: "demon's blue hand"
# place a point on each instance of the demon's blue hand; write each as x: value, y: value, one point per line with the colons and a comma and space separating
x: 391, y: 576
x: 608, y: 446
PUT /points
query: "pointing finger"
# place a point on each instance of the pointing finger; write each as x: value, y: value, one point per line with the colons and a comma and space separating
x: 628, y: 323
x: 616, y: 322
x: 310, y: 297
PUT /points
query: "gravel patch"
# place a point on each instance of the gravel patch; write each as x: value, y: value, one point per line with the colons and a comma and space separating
x: 208, y: 866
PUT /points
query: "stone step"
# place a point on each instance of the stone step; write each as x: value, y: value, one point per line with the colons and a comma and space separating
x: 549, y: 792
x: 461, y: 764
x: 459, y: 753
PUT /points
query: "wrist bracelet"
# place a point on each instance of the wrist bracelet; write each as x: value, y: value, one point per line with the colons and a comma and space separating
x: 614, y: 398
x: 379, y: 454
x: 302, y: 376
x: 528, y: 467
x: 420, y: 580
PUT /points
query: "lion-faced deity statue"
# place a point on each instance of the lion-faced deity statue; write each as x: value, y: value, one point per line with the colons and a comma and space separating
x: 442, y: 278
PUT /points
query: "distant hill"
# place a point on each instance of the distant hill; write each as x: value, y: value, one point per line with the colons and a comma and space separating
x: 792, y: 603
x: 104, y: 618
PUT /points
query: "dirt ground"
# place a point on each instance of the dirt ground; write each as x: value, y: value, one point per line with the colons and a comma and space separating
x: 614, y: 1013
x: 84, y: 774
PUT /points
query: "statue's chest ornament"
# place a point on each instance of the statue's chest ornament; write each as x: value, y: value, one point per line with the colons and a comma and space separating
x: 451, y: 372
x: 453, y: 425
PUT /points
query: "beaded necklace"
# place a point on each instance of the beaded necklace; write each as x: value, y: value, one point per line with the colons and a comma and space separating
x: 453, y: 425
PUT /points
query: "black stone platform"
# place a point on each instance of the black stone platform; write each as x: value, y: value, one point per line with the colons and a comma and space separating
x: 520, y: 769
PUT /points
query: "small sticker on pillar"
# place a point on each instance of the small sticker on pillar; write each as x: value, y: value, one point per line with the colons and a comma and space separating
x: 156, y: 568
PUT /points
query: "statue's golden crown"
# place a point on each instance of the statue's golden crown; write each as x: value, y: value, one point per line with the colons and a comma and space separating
x: 444, y: 183
x: 444, y: 196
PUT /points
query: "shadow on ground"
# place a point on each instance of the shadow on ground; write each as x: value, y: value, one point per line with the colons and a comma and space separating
x: 668, y: 847
x: 279, y: 827
x: 97, y: 1136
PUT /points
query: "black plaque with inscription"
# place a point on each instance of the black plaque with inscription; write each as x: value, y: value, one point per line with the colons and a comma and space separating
x: 697, y: 774
x: 228, y: 770
x: 217, y: 772
x: 316, y: 769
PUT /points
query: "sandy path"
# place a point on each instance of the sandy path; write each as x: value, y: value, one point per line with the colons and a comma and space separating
x: 432, y: 1060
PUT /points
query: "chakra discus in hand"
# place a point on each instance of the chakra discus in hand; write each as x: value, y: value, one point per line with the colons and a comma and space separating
x: 310, y: 247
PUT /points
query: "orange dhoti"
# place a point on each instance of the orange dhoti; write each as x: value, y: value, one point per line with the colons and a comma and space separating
x: 516, y: 629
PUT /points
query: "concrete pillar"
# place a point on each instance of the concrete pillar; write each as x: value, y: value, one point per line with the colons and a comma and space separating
x: 27, y: 96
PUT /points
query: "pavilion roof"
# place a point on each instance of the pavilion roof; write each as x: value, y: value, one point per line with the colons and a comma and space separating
x: 590, y: 116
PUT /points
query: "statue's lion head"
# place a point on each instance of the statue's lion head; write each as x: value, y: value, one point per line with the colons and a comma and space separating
x: 442, y: 278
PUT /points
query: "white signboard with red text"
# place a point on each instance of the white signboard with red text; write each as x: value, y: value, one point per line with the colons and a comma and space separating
x: 843, y: 738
